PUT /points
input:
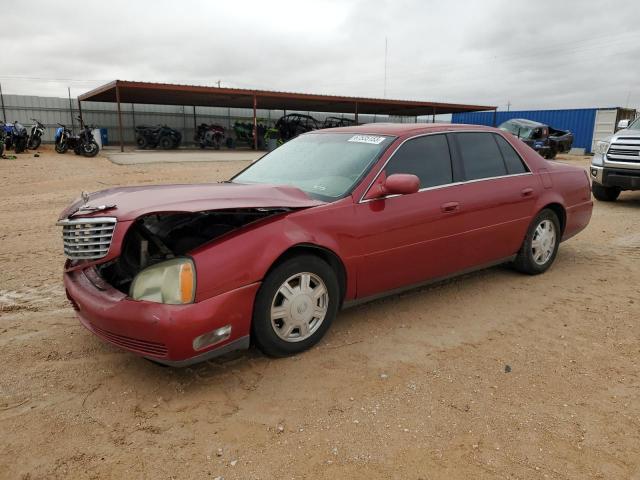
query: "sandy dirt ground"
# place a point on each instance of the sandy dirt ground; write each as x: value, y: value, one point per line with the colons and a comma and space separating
x: 490, y: 375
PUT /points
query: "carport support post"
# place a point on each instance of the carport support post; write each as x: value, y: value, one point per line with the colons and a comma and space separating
x: 80, y: 112
x: 255, y: 123
x: 119, y: 119
x: 433, y: 115
x: 195, y: 128
x: 133, y: 115
x: 356, y: 113
x: 495, y: 116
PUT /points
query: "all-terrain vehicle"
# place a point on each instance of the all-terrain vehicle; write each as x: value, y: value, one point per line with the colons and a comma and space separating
x: 545, y: 140
x: 152, y: 136
x: 333, y: 122
x: 16, y: 137
x: 209, y: 135
x: 244, y: 134
x: 3, y: 135
x: 294, y: 124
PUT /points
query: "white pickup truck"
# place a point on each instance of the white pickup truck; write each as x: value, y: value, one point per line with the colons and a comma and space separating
x: 616, y: 162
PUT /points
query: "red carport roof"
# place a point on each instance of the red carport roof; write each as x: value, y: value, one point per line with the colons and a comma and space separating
x: 170, y: 94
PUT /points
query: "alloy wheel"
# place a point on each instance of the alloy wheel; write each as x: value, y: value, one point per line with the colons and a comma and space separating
x: 299, y: 307
x: 543, y: 243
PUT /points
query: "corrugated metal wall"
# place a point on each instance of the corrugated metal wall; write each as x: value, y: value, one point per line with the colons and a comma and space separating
x: 580, y: 121
x: 52, y: 110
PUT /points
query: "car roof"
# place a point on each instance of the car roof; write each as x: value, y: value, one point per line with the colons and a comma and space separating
x: 402, y: 129
x: 524, y: 121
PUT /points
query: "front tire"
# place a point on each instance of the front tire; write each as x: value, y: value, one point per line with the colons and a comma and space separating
x: 295, y: 306
x: 62, y: 147
x: 540, y: 245
x: 605, y: 194
x: 34, y: 143
x: 142, y: 142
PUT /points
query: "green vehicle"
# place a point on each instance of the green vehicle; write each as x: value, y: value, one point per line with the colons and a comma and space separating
x: 244, y: 134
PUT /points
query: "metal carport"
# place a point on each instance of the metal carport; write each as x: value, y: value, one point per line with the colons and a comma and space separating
x: 120, y: 91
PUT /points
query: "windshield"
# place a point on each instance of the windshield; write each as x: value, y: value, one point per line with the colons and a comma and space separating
x: 325, y: 165
x: 518, y: 130
x: 635, y: 125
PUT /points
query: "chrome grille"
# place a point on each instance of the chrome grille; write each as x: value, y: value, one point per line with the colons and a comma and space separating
x: 625, y: 149
x: 87, y: 238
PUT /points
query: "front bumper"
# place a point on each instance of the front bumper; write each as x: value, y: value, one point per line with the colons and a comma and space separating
x: 163, y: 333
x: 626, y: 179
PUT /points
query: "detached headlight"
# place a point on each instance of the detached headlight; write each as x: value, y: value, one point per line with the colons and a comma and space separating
x: 601, y: 147
x: 171, y: 282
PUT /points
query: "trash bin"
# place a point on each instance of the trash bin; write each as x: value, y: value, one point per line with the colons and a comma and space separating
x: 104, y: 137
x: 97, y: 137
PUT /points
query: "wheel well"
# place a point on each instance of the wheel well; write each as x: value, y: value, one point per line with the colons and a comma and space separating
x: 325, y: 254
x: 560, y: 212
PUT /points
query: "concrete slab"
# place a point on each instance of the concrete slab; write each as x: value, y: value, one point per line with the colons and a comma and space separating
x: 136, y: 157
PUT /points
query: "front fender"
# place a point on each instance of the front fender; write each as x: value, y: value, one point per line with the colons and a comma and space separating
x: 244, y: 257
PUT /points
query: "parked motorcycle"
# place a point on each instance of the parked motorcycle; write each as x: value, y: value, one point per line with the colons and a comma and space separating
x: 151, y: 136
x: 17, y: 137
x: 82, y: 144
x: 35, y: 136
x: 209, y: 136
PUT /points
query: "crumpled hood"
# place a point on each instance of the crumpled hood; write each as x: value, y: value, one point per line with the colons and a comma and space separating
x: 131, y: 202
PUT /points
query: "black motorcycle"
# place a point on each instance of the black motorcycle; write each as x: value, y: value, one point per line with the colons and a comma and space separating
x: 82, y: 144
x: 151, y: 136
x: 35, y: 136
x: 17, y: 137
x: 209, y: 136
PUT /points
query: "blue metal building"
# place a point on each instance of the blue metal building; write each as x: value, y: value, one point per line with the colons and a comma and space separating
x: 581, y: 122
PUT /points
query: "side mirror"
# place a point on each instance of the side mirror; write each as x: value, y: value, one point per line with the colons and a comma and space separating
x: 396, y: 184
x: 623, y: 124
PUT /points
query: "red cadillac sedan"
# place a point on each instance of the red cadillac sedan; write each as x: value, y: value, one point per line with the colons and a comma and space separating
x: 182, y: 273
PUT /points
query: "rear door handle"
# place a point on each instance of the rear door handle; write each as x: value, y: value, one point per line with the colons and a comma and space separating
x: 527, y: 192
x: 450, y: 207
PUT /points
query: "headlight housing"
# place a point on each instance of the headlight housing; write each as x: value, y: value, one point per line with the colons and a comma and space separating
x: 172, y: 282
x: 601, y: 147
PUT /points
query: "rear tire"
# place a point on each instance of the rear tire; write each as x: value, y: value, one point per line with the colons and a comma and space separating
x: 166, y: 143
x: 605, y: 194
x: 291, y: 322
x: 90, y: 149
x: 540, y: 245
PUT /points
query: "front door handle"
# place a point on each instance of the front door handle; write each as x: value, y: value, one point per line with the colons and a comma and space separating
x: 450, y: 207
x: 527, y: 192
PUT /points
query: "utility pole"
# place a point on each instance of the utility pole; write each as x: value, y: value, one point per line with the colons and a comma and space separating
x: 219, y: 81
x: 4, y: 113
x: 508, y: 105
x: 73, y: 126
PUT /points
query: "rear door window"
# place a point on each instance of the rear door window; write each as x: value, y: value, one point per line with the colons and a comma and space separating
x: 511, y: 158
x: 426, y: 157
x: 480, y: 155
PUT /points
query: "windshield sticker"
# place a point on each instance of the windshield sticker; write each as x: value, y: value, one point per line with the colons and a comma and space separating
x: 372, y: 139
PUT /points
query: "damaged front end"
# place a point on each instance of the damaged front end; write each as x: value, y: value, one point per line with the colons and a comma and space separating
x: 156, y: 238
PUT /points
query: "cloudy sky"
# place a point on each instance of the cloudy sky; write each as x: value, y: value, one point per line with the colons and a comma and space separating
x: 531, y: 54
